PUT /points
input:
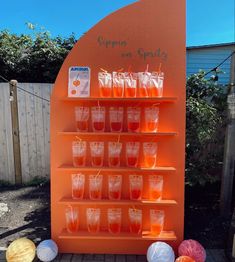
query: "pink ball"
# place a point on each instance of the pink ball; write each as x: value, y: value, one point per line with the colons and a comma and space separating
x: 193, y: 249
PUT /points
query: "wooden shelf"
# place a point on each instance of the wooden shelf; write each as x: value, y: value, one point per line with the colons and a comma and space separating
x: 67, y: 200
x: 165, y: 235
x: 119, y: 169
x: 122, y: 99
x: 74, y: 133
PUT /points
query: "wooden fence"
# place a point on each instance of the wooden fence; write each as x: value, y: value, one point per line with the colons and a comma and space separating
x: 34, y: 132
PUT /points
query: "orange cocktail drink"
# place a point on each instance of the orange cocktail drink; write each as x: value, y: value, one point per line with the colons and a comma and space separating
x: 93, y: 220
x: 136, y: 187
x: 95, y: 187
x: 114, y: 220
x: 79, y: 153
x: 78, y: 183
x: 114, y: 187
x: 156, y: 221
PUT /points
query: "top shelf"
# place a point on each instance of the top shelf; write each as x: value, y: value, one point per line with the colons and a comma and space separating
x: 149, y: 99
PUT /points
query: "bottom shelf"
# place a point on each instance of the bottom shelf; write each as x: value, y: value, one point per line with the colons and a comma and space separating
x: 165, y: 235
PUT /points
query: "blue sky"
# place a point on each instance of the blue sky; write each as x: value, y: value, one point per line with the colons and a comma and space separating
x: 208, y: 21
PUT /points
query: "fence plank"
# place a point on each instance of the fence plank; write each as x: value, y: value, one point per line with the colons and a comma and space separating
x: 7, y: 171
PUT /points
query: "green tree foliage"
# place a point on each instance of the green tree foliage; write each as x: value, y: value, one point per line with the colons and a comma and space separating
x: 33, y: 58
x: 205, y: 129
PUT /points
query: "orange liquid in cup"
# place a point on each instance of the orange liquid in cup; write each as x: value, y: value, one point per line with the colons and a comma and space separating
x: 132, y: 161
x: 152, y: 126
x: 154, y: 92
x: 95, y: 194
x: 78, y: 193
x: 155, y: 194
x: 135, y: 227
x: 156, y: 229
x: 143, y: 92
x: 150, y: 161
x: 114, y: 227
x: 105, y: 91
x: 97, y: 160
x: 114, y: 161
x: 72, y: 226
x: 114, y: 195
x: 82, y: 125
x: 130, y: 92
x: 133, y: 126
x: 78, y: 160
x: 98, y: 126
x: 116, y: 126
x: 136, y: 194
x: 117, y: 91
x: 93, y: 228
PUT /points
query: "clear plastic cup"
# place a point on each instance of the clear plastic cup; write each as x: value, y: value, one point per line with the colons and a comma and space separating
x: 144, y: 84
x: 79, y: 153
x: 116, y: 119
x: 151, y: 118
x: 114, y: 220
x: 130, y: 85
x: 155, y: 187
x: 115, y: 149
x: 118, y: 84
x: 97, y: 153
x: 93, y: 219
x: 150, y: 154
x: 72, y: 219
x: 133, y: 119
x: 135, y: 220
x: 82, y: 117
x: 132, y: 153
x: 115, y: 187
x: 98, y: 118
x: 156, y: 221
x: 136, y: 187
x: 78, y: 184
x: 95, y: 186
x: 105, y: 84
x: 156, y: 84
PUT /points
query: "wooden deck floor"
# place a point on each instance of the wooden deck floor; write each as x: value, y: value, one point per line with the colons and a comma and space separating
x: 213, y: 255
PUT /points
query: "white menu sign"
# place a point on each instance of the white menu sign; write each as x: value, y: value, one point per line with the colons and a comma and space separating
x: 79, y: 81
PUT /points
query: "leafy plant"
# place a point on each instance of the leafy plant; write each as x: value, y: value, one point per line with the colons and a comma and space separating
x: 205, y: 126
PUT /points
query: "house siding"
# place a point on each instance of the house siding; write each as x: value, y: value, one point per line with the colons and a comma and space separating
x: 207, y: 58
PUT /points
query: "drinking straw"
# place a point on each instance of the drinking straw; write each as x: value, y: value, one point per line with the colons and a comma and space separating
x: 105, y: 71
x: 78, y: 138
x: 71, y: 211
x: 118, y: 138
x: 159, y: 68
x: 98, y: 103
x: 147, y: 68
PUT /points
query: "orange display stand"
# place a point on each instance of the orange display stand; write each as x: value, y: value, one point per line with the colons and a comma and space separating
x: 147, y: 32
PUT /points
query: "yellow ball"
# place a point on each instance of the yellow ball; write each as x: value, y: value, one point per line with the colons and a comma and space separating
x: 21, y: 250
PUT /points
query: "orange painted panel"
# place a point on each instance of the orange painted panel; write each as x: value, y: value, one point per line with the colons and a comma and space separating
x: 147, y: 32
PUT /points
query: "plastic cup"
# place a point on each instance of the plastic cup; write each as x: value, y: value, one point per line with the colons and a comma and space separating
x: 115, y: 187
x: 114, y: 220
x: 156, y: 84
x: 95, y: 186
x: 93, y: 220
x: 156, y: 221
x: 79, y: 153
x: 133, y: 119
x: 151, y: 118
x: 97, y: 153
x: 130, y: 85
x: 150, y: 154
x: 116, y: 119
x: 82, y: 117
x: 72, y: 219
x: 115, y: 149
x: 132, y: 154
x: 105, y: 84
x: 98, y: 118
x: 155, y: 187
x: 135, y: 220
x: 118, y: 84
x: 136, y: 187
x: 78, y: 183
x: 144, y: 84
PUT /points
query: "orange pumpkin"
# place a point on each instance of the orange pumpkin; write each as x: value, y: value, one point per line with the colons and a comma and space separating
x: 184, y: 259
